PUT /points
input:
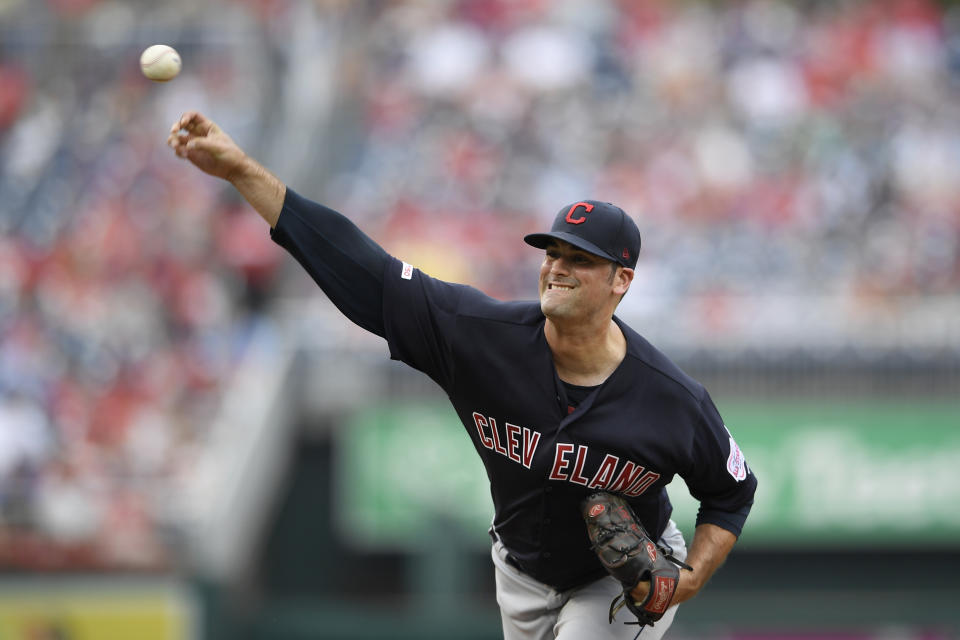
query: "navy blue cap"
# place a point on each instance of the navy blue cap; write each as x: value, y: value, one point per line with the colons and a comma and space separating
x: 600, y: 228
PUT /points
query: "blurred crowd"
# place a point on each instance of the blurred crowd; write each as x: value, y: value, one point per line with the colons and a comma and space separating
x: 128, y: 283
x: 772, y: 153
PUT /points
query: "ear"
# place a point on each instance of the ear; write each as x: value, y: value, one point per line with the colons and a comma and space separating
x: 621, y: 281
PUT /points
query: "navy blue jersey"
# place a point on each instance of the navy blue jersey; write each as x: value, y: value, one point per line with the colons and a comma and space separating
x: 631, y: 435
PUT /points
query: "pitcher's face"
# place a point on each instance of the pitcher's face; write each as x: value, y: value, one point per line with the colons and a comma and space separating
x: 575, y: 283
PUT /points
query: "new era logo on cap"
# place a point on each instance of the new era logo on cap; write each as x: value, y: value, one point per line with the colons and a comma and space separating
x: 599, y: 228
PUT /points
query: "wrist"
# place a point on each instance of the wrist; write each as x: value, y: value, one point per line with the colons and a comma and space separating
x: 264, y: 191
x: 688, y: 584
x: 244, y: 171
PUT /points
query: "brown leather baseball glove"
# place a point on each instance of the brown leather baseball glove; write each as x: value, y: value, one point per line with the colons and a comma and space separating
x: 629, y: 555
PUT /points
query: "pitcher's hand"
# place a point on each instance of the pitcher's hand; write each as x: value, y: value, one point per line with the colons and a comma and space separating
x: 199, y: 140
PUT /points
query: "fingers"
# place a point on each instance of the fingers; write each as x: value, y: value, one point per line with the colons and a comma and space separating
x: 178, y: 142
x: 193, y: 123
x: 202, y: 144
x: 188, y: 129
x: 179, y: 133
x: 181, y: 123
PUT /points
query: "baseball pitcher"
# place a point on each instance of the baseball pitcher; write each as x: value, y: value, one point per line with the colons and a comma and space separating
x: 580, y: 422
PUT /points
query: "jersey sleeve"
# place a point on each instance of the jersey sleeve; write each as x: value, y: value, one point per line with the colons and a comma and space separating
x: 718, y: 476
x: 420, y: 319
x: 414, y: 312
x: 346, y: 263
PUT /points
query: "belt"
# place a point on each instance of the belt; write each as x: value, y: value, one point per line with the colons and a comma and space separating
x: 511, y: 560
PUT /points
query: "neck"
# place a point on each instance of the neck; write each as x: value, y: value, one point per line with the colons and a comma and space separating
x: 585, y: 356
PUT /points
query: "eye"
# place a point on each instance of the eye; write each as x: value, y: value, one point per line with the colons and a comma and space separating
x: 553, y: 254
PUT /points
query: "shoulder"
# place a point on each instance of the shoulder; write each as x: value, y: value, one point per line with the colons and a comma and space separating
x: 477, y: 305
x: 669, y: 378
x: 461, y: 300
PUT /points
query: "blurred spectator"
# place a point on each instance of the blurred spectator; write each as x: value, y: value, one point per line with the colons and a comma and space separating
x: 15, y: 93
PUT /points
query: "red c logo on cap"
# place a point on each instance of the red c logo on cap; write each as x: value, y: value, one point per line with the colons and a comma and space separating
x: 586, y: 207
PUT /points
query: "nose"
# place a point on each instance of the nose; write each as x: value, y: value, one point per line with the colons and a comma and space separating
x: 560, y: 265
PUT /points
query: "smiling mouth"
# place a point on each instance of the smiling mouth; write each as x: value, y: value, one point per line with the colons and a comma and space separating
x: 552, y: 286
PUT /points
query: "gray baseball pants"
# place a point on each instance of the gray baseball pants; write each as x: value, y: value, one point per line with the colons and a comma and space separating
x: 531, y: 610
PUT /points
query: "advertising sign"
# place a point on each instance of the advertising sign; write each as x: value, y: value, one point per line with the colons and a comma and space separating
x: 51, y: 608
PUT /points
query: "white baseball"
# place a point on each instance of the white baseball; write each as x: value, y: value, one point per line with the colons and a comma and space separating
x: 160, y: 62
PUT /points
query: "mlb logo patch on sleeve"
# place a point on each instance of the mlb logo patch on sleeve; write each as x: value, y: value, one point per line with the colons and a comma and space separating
x: 736, y: 465
x: 407, y: 272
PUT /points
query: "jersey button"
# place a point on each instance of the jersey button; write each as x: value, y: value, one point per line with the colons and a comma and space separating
x: 547, y: 554
x: 547, y: 489
x: 546, y: 521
